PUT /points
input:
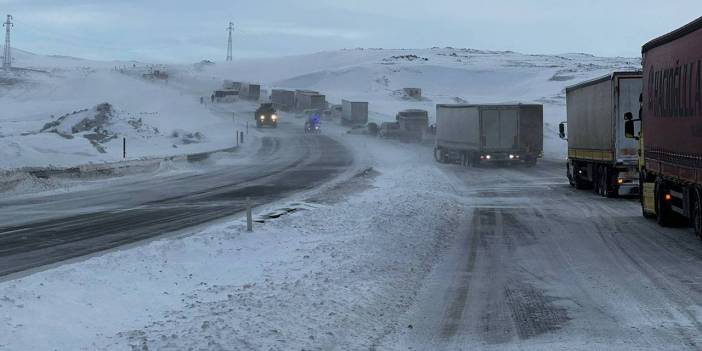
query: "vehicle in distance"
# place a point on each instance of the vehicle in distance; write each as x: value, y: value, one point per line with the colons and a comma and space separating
x: 671, y: 127
x: 266, y: 115
x: 471, y: 134
x: 599, y: 154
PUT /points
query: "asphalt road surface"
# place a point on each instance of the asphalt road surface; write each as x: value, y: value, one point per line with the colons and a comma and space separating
x: 43, y: 230
x: 538, y: 265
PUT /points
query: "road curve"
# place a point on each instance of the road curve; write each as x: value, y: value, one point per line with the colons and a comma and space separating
x: 49, y: 229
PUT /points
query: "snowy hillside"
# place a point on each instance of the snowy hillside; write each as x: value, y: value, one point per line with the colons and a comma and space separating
x: 57, y: 85
x: 151, y: 115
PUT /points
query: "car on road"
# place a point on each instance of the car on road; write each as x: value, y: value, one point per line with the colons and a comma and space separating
x: 266, y: 115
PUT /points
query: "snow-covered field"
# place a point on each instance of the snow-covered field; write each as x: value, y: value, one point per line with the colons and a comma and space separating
x: 165, y: 118
x: 156, y: 119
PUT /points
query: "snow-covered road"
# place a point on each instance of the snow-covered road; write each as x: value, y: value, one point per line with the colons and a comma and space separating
x: 538, y: 265
x: 408, y: 255
x: 43, y: 229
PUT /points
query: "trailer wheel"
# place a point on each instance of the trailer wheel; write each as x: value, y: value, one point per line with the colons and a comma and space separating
x: 697, y: 215
x: 664, y: 217
x: 439, y: 155
x: 569, y: 175
x: 579, y: 182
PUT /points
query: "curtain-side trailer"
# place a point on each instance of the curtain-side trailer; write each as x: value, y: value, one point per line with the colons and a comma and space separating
x: 671, y: 127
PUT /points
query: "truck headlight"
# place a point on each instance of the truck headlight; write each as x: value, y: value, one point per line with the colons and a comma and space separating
x: 263, y: 117
x: 274, y: 117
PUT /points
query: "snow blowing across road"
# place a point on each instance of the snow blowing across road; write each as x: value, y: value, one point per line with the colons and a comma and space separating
x: 340, y: 271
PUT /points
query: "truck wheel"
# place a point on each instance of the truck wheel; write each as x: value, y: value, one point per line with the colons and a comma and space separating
x: 438, y: 155
x: 697, y: 215
x: 612, y: 189
x: 569, y: 174
x: 579, y: 182
x: 663, y: 210
x: 530, y: 161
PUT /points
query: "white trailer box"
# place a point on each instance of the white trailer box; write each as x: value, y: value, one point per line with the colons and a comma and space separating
x: 354, y: 112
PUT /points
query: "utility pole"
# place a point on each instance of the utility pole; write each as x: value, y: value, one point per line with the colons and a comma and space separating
x: 7, y: 55
x: 229, y: 48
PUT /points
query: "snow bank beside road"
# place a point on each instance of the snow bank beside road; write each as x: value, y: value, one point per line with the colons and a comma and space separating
x: 338, y: 275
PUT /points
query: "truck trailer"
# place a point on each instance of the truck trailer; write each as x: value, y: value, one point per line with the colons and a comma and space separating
x: 250, y: 91
x: 472, y: 134
x: 671, y: 127
x: 599, y: 154
x: 283, y: 100
x: 354, y: 113
x: 413, y: 123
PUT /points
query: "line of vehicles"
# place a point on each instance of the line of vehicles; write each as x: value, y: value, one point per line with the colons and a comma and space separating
x: 629, y: 133
x: 640, y: 133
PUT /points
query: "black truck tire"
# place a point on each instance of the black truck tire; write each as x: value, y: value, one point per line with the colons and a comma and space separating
x: 664, y: 215
x: 580, y: 184
x: 439, y: 155
x: 569, y: 174
x: 697, y: 214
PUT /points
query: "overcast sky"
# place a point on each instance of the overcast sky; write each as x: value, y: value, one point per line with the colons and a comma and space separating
x: 186, y: 31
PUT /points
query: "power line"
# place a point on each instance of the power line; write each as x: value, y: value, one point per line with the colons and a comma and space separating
x: 7, y: 54
x: 229, y: 48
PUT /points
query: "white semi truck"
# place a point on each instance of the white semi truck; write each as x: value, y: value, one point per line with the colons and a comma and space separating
x: 472, y: 134
x: 600, y: 156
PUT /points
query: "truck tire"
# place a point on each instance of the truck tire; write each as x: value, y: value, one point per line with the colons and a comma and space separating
x: 604, y: 188
x: 531, y: 161
x: 439, y: 155
x: 664, y: 215
x: 597, y: 180
x: 697, y: 214
x: 569, y: 174
x: 612, y: 190
x: 580, y: 184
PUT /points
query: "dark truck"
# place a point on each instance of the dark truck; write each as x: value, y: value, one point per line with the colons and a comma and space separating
x: 472, y: 134
x: 670, y: 116
x: 266, y: 115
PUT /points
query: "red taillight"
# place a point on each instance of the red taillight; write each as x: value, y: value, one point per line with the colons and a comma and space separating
x: 668, y: 197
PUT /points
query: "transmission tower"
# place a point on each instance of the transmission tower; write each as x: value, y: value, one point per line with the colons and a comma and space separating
x: 229, y: 48
x: 7, y: 55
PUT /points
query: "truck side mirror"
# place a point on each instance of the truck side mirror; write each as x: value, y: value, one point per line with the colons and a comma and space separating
x: 629, y: 130
x: 561, y: 130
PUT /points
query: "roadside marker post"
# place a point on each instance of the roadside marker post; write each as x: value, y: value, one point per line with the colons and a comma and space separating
x: 242, y: 137
x: 249, y: 217
x: 124, y: 148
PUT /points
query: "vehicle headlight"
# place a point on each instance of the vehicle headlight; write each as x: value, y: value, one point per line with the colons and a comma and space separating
x: 488, y: 157
x: 274, y: 117
x: 263, y: 117
x: 511, y: 157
